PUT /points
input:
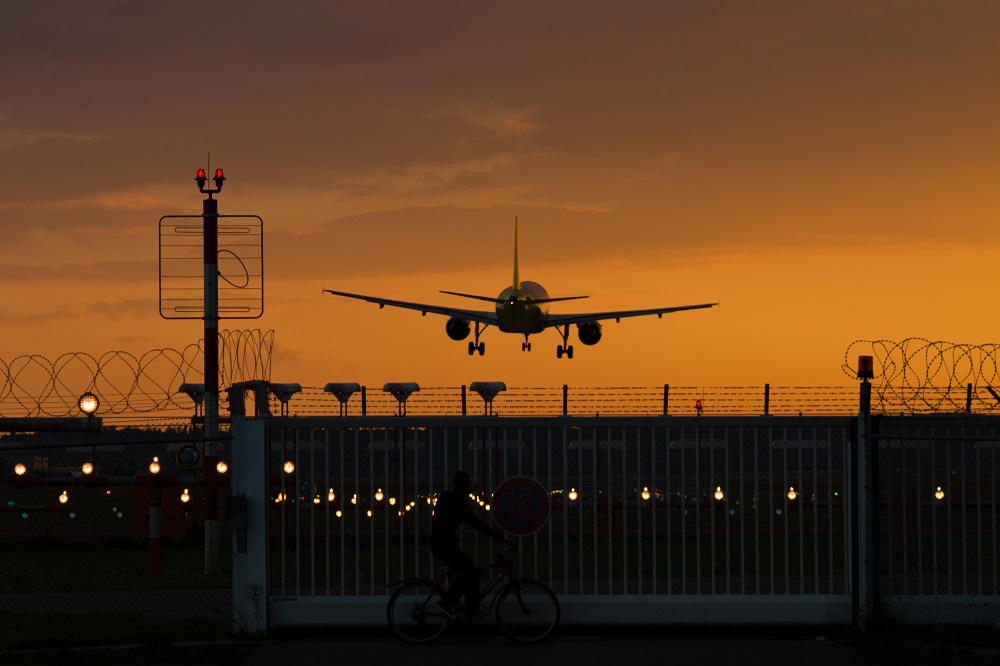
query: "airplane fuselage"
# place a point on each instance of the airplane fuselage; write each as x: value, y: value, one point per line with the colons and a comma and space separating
x: 518, y: 313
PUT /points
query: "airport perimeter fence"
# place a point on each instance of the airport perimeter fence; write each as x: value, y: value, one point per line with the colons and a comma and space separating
x: 938, y: 555
x: 938, y: 519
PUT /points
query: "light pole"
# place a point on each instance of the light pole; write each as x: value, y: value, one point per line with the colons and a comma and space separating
x: 210, y: 226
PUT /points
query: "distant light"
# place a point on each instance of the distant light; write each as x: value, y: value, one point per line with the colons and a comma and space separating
x: 645, y: 493
x: 379, y: 495
x: 369, y: 513
x: 792, y: 494
x: 317, y: 500
x: 392, y: 501
x: 88, y: 468
x: 20, y: 469
x: 154, y: 467
x: 185, y: 496
x: 719, y: 495
x: 64, y: 497
x: 289, y: 467
x: 222, y: 467
x: 939, y: 494
x: 340, y: 513
x: 331, y: 496
x: 354, y: 500
x: 572, y: 495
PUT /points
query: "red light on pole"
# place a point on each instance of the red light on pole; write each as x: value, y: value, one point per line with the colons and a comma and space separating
x: 201, y: 178
x: 697, y: 406
x: 219, y: 178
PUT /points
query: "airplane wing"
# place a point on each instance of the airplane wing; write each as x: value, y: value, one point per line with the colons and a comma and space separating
x: 561, y: 320
x: 423, y: 308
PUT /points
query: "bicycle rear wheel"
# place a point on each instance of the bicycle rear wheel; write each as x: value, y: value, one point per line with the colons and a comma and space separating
x: 413, y: 612
x: 527, y: 611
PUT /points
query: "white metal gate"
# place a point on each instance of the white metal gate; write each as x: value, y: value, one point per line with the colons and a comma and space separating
x: 654, y: 520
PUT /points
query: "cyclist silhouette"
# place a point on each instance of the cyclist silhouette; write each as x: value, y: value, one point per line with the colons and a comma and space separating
x: 451, y: 510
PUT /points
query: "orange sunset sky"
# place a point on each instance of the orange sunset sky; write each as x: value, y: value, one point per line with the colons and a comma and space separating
x: 827, y: 171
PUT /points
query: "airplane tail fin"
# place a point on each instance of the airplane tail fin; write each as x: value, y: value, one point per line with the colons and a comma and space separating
x: 517, y: 277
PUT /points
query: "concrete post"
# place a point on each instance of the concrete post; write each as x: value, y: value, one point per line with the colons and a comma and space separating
x: 248, y: 514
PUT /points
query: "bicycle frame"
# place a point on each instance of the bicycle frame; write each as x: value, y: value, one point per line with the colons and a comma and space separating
x: 495, y: 584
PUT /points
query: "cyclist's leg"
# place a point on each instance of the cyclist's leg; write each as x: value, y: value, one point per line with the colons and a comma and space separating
x: 467, y: 584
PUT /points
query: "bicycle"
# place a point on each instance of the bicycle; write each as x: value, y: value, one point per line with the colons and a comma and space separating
x: 526, y: 610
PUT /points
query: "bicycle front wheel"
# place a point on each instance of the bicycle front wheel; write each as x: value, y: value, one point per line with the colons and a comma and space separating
x: 414, y: 614
x: 527, y: 611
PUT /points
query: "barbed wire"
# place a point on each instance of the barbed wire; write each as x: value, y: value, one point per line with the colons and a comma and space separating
x: 923, y: 375
x: 34, y: 385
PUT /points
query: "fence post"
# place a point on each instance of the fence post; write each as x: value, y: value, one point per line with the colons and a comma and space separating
x: 767, y: 399
x: 666, y: 398
x: 248, y: 515
x: 866, y: 505
x: 968, y: 399
x: 463, y: 400
x: 565, y: 400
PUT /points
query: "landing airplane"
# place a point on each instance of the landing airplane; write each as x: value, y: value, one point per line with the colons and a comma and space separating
x: 522, y: 308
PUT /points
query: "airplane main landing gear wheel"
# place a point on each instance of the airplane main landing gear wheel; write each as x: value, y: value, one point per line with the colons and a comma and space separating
x: 568, y: 350
x: 525, y: 346
x: 477, y: 346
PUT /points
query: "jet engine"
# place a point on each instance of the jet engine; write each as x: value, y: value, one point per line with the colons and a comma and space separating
x: 589, y: 332
x: 459, y: 329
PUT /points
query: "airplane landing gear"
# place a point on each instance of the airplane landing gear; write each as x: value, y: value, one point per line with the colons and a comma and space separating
x: 478, y: 346
x: 525, y: 346
x: 565, y: 347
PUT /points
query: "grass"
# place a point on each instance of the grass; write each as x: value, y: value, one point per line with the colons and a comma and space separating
x: 76, y: 565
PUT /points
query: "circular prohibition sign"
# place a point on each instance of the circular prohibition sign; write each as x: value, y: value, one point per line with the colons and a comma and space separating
x: 520, y: 506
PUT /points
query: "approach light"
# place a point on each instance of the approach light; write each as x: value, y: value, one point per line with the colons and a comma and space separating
x: 572, y: 495
x: 289, y: 467
x: 939, y: 494
x: 219, y: 179
x: 222, y: 467
x: 331, y: 495
x: 201, y: 179
x: 154, y: 467
x: 88, y: 468
x: 20, y: 469
x: 379, y: 495
x: 645, y: 493
x: 185, y: 496
x: 792, y: 494
x: 88, y: 403
x: 719, y: 495
x: 64, y: 497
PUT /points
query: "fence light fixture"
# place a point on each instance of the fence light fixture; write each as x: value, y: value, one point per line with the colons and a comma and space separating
x: 88, y: 403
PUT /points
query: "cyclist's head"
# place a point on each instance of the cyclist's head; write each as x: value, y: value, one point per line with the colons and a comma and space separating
x: 460, y: 481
